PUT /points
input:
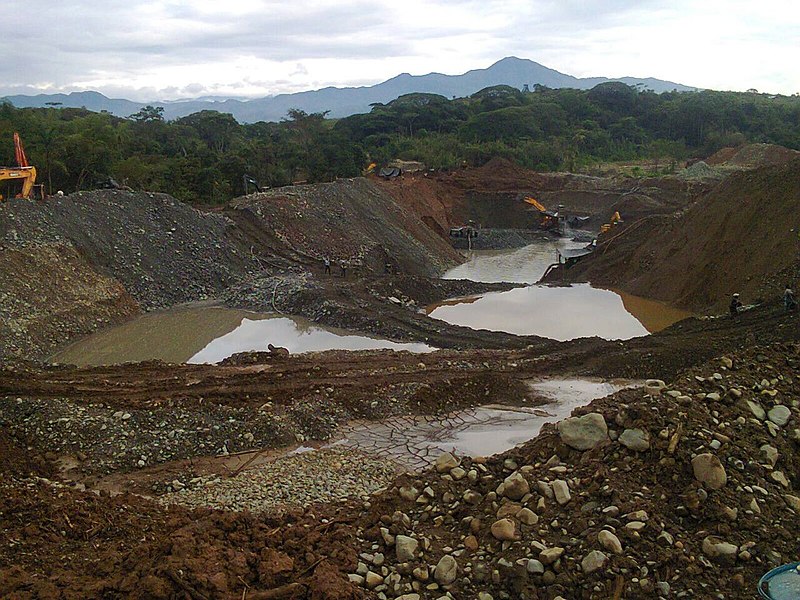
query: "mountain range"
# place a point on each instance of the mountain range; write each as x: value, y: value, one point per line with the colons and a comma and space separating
x: 341, y: 102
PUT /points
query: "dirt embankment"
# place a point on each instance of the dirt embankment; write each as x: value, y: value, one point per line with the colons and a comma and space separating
x: 534, y: 515
x: 752, y: 156
x: 493, y: 195
x: 743, y: 237
x: 49, y: 293
x: 352, y: 220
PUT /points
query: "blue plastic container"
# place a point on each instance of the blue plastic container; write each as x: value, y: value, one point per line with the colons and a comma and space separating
x: 782, y: 583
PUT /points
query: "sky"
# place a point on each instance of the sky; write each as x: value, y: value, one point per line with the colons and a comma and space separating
x: 166, y: 50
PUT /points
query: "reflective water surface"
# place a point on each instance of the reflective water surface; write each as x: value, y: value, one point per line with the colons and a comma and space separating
x: 210, y: 334
x: 416, y: 441
x: 556, y: 312
x: 521, y: 265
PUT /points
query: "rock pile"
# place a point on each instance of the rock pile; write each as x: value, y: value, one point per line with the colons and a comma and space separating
x: 684, y: 493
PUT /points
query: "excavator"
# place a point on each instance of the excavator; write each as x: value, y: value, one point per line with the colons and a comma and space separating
x: 22, y: 172
x: 548, y: 220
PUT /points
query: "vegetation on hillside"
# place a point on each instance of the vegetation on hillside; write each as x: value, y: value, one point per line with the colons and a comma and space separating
x: 204, y: 157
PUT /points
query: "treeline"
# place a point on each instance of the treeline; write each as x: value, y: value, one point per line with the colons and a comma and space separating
x: 205, y: 157
x: 549, y: 129
x: 202, y: 158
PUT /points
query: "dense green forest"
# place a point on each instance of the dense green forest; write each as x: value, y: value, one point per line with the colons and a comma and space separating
x: 204, y: 157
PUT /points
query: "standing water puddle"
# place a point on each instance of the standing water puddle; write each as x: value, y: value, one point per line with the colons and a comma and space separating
x: 209, y: 335
x: 560, y: 313
x: 416, y: 441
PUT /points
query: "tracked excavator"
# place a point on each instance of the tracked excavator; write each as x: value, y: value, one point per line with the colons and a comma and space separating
x: 548, y: 220
x: 22, y: 172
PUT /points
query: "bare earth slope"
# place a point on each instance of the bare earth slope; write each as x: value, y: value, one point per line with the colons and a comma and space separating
x: 349, y: 219
x: 743, y: 237
x: 163, y: 251
x: 492, y: 195
x: 49, y: 293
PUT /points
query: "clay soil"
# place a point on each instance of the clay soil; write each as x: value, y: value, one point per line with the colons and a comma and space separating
x: 741, y: 237
x: 61, y: 427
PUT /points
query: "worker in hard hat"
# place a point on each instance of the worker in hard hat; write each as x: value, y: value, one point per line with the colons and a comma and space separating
x: 735, y: 305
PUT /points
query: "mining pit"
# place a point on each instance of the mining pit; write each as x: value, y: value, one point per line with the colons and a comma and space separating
x: 192, y: 407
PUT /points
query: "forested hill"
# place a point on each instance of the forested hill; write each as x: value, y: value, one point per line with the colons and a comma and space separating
x: 342, y: 102
x: 203, y: 157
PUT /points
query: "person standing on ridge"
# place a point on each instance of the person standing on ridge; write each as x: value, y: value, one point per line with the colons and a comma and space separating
x: 327, y: 262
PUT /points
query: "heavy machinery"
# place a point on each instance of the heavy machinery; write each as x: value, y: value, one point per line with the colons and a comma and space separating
x: 616, y: 219
x: 548, y: 220
x: 22, y: 172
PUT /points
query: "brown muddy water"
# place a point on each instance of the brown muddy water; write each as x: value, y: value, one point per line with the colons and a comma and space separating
x: 211, y: 334
x: 521, y: 265
x: 557, y: 312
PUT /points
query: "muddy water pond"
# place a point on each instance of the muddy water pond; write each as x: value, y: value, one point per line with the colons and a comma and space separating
x: 556, y: 312
x: 521, y: 265
x: 416, y: 441
x: 211, y: 334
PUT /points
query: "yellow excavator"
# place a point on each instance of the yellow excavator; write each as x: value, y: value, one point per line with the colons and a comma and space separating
x: 548, y: 220
x: 616, y: 219
x: 22, y: 172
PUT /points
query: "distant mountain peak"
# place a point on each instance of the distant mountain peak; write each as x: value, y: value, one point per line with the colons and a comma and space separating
x: 341, y: 102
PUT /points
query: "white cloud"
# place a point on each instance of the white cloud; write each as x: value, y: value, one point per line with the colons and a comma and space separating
x: 159, y: 49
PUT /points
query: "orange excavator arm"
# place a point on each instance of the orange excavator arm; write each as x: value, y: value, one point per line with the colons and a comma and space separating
x: 23, y: 171
x: 26, y: 174
x: 535, y: 203
x: 19, y: 151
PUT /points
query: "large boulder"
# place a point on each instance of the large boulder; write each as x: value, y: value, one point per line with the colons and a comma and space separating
x: 585, y: 432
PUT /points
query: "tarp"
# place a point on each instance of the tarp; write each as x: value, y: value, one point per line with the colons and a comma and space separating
x: 389, y: 172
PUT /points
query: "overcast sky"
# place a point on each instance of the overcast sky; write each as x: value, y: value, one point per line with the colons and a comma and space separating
x: 154, y: 50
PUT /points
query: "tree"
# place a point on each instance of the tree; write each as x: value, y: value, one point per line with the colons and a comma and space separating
x: 148, y: 114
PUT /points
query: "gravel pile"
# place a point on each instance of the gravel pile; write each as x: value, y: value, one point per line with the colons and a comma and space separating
x: 163, y: 251
x: 680, y: 491
x: 501, y: 238
x: 105, y: 439
x: 301, y: 478
x: 701, y: 170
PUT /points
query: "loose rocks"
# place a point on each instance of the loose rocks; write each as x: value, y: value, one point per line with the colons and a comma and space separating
x: 406, y: 548
x: 583, y: 433
x: 446, y: 570
x: 709, y: 471
x: 593, y: 561
x: 515, y: 486
x: 609, y: 541
x: 635, y: 439
x: 504, y: 530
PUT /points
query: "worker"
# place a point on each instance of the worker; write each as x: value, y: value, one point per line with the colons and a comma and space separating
x: 343, y: 267
x: 789, y: 301
x: 327, y: 262
x: 735, y: 306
